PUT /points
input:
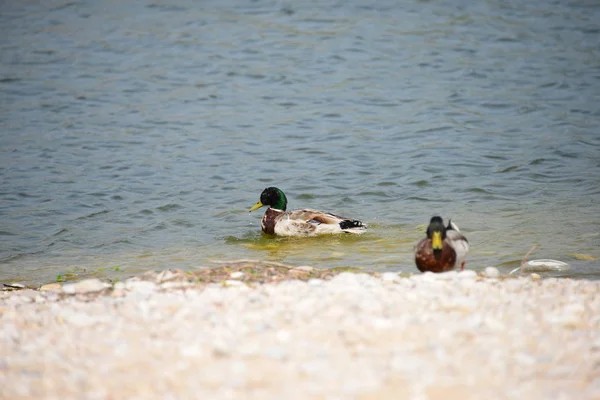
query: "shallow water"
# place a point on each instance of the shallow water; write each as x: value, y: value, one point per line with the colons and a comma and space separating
x: 136, y: 135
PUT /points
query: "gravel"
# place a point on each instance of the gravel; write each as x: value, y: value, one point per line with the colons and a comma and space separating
x: 456, y: 335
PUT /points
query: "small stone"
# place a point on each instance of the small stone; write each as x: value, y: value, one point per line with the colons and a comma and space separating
x: 535, y: 277
x: 351, y: 279
x: 390, y: 277
x: 69, y: 288
x: 248, y: 349
x: 524, y: 359
x: 19, y: 299
x: 231, y: 282
x: 467, y: 274
x: 51, y: 287
x: 426, y: 276
x: 50, y: 296
x: 283, y: 336
x: 491, y: 272
x: 276, y: 353
x: 304, y: 268
x: 191, y: 350
x: 117, y: 293
x: 146, y: 276
x: 28, y: 294
x: 15, y: 285
x: 381, y: 323
x: 164, y: 276
x: 221, y: 348
x: 85, y: 286
x: 570, y: 321
x: 544, y: 265
x: 236, y: 275
x: 14, y: 300
x: 296, y: 273
x: 445, y: 276
x: 140, y: 286
x: 175, y: 285
x: 80, y: 319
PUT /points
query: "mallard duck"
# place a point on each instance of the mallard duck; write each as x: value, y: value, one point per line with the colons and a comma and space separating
x: 278, y: 221
x: 444, y: 248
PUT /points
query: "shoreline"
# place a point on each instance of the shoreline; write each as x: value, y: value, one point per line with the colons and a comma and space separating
x: 311, y: 334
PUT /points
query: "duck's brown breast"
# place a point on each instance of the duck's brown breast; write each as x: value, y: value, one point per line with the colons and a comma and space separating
x: 426, y: 260
x: 269, y: 219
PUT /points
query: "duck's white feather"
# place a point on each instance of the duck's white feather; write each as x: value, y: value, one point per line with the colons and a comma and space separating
x: 458, y: 242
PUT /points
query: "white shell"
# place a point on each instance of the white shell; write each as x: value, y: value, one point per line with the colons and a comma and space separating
x: 542, y: 265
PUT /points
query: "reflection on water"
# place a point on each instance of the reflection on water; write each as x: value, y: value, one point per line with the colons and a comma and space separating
x: 136, y: 136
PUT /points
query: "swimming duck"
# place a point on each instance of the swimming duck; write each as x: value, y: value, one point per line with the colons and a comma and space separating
x: 444, y: 248
x: 278, y: 221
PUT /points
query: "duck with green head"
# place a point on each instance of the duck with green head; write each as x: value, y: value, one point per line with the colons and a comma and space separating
x: 306, y: 222
x: 444, y: 248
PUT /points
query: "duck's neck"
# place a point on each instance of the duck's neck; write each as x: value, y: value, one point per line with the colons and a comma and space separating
x: 280, y: 203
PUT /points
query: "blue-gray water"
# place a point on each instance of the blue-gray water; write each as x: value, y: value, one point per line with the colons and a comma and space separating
x: 136, y: 134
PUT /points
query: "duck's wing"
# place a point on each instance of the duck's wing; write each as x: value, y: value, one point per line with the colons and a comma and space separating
x: 294, y: 227
x: 459, y: 243
x: 313, y: 222
x: 314, y: 216
x: 453, y: 227
x: 456, y: 236
x: 453, y: 234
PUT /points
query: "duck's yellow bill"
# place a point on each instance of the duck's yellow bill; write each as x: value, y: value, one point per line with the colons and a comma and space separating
x: 256, y: 206
x: 436, y: 240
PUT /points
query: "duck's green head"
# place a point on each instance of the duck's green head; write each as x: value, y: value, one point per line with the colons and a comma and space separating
x: 272, y: 197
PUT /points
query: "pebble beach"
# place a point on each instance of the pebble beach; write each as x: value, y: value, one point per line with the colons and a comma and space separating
x: 457, y: 335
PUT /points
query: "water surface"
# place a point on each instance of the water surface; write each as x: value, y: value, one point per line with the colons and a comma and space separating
x: 135, y: 135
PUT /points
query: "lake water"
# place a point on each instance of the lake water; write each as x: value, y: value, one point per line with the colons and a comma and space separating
x: 136, y: 135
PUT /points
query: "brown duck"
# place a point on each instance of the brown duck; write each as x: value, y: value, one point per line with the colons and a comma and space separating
x: 444, y: 248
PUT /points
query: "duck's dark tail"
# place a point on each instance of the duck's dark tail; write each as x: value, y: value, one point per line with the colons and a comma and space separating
x: 353, y: 226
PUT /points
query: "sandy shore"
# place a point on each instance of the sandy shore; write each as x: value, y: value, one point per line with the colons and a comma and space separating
x: 350, y: 336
